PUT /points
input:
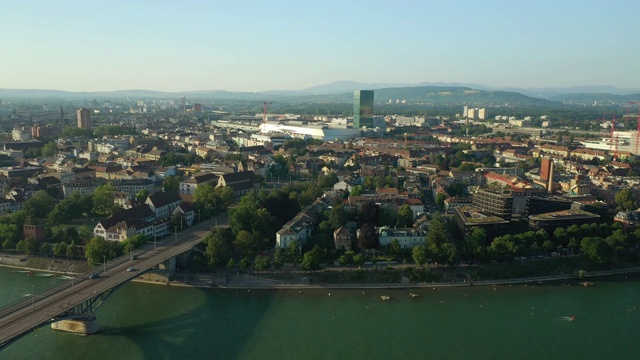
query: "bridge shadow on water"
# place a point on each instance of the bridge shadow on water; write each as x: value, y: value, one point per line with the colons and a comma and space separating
x: 219, y: 324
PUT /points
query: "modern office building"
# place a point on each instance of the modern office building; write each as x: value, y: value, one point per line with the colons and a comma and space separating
x: 539, y: 205
x: 84, y: 118
x: 494, y: 202
x: 565, y: 218
x: 363, y: 108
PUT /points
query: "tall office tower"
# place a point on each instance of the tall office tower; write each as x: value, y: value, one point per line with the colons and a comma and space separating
x: 465, y: 112
x: 84, y: 118
x: 197, y: 107
x: 362, y: 108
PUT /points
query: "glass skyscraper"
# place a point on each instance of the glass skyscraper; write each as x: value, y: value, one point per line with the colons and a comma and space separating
x: 363, y: 108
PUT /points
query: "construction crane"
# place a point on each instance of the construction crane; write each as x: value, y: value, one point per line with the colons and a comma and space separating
x: 264, y: 112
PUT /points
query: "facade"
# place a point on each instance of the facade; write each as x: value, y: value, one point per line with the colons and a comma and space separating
x: 408, y: 238
x: 241, y: 183
x: 37, y: 232
x: 494, y: 202
x: 343, y: 239
x: 134, y: 186
x: 537, y: 205
x: 363, y: 109
x: 85, y: 186
x: 628, y: 218
x: 189, y: 186
x: 84, y: 118
x: 163, y: 205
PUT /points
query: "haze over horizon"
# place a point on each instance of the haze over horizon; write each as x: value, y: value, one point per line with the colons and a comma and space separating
x: 289, y: 45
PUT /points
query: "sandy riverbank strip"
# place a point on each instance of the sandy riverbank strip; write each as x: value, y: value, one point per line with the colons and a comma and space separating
x: 247, y: 282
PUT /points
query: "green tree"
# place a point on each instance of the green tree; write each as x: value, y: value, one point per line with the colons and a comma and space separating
x: 245, y: 262
x: 72, y: 251
x: 478, y: 237
x: 597, y: 250
x: 40, y: 204
x: 60, y: 249
x: 624, y: 199
x: 467, y: 167
x: 8, y: 244
x: 45, y: 249
x: 96, y: 249
x: 142, y: 196
x: 405, y: 216
x: 245, y: 243
x: 356, y: 190
x: 171, y: 184
x: 262, y: 263
x: 368, y: 237
x: 449, y: 253
x: 419, y: 254
x: 358, y: 260
x: 218, y: 247
x: 10, y: 233
x: 311, y: 259
x: 293, y: 250
x: 440, y: 198
x: 265, y: 227
x: 437, y: 234
x: 278, y: 259
x: 103, y: 199
x: 49, y: 149
x: 327, y: 181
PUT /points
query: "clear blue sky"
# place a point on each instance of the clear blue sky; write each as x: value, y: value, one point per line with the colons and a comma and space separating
x: 247, y: 45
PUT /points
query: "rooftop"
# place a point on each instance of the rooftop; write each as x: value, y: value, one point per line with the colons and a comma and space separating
x: 564, y: 215
x: 471, y: 216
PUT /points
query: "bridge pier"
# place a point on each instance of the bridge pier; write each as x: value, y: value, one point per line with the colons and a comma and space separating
x: 76, y: 326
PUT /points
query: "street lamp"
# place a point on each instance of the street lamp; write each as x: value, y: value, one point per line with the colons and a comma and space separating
x: 72, y: 289
x: 33, y: 302
x: 104, y: 264
x: 175, y: 231
x: 155, y: 242
x: 131, y: 252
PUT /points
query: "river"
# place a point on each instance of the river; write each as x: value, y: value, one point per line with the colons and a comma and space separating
x: 145, y: 321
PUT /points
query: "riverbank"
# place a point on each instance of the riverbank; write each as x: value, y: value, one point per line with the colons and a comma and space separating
x: 262, y: 281
x: 56, y: 266
x: 299, y: 280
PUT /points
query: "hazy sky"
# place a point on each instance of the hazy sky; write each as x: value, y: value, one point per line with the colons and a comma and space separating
x: 246, y: 45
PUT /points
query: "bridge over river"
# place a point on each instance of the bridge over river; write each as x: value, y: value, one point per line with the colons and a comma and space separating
x: 80, y: 297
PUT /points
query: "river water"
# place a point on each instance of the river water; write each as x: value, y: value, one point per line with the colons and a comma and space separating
x: 145, y: 321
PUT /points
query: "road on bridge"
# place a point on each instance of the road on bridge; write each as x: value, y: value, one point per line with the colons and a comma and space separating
x: 23, y: 316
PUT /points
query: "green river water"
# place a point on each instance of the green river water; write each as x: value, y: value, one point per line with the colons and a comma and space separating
x: 144, y: 321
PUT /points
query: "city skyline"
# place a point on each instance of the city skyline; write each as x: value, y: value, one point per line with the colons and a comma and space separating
x: 286, y: 45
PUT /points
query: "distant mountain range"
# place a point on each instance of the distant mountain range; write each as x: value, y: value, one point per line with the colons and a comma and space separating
x: 342, y: 91
x: 543, y: 93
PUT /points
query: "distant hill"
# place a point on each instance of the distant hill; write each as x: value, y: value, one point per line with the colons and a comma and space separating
x: 602, y: 98
x: 435, y: 96
x: 339, y: 92
x: 548, y: 93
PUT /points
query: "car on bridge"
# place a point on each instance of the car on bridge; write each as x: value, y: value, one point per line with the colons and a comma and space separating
x: 132, y: 269
x: 93, y: 276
